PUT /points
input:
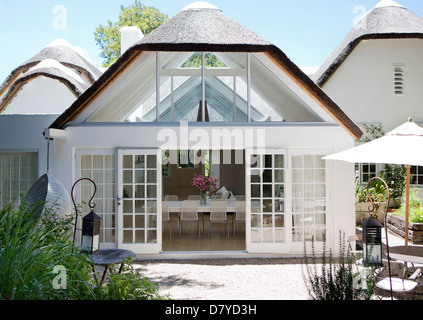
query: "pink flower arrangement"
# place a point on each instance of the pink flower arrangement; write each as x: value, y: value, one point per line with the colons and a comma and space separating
x: 204, y: 184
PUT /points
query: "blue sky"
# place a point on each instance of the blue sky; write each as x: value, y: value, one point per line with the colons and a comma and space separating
x: 306, y: 30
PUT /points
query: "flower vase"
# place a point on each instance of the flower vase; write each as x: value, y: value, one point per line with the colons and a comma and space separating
x: 203, y: 198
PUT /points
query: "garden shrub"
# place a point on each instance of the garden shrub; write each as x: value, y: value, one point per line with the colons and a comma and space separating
x: 36, y: 251
x: 336, y: 279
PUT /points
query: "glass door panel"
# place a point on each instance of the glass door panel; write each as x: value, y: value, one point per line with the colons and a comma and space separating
x: 139, y: 191
x: 266, y: 186
x: 308, y: 198
x: 99, y: 166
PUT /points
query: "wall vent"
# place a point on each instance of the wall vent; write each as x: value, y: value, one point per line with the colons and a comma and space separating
x: 398, y: 80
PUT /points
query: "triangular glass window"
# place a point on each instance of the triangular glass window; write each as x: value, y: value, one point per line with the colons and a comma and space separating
x: 180, y: 92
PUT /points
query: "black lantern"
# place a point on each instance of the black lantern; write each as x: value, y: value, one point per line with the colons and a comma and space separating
x: 372, y: 242
x: 91, y: 233
x: 90, y: 240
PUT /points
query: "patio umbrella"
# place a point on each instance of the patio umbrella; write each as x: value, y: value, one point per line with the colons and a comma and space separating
x: 403, y: 145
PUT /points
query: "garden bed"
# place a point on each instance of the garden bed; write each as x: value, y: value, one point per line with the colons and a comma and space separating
x: 396, y: 224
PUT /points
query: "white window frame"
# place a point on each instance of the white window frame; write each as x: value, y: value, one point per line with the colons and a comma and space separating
x: 145, y: 248
x: 16, y: 198
x: 94, y: 152
x: 267, y: 247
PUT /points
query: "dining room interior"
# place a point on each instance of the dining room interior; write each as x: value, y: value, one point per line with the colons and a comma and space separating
x: 227, y: 169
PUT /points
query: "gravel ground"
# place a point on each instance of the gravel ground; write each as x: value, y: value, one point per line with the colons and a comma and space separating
x: 227, y: 278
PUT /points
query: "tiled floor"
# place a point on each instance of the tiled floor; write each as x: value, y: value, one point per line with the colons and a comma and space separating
x: 218, y: 239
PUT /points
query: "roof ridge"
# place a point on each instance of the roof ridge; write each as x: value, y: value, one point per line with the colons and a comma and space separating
x: 388, y: 3
x: 201, y: 5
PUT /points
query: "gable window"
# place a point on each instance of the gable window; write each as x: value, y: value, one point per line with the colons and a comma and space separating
x: 203, y: 87
x: 398, y: 79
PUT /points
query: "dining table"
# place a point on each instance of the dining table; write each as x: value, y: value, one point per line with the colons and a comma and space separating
x: 176, y: 206
x: 203, y: 208
x: 412, y: 254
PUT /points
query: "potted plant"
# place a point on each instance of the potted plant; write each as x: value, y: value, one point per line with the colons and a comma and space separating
x: 205, y: 185
x: 395, y: 177
x: 377, y: 193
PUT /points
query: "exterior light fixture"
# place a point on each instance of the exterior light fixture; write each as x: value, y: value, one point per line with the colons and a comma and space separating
x: 91, y: 222
x: 372, y: 242
x: 372, y: 232
x: 91, y: 233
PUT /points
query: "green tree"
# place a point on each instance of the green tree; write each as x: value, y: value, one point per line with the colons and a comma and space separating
x: 211, y: 61
x: 139, y: 15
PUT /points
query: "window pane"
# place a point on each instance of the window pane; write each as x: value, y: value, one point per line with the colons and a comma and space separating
x: 128, y: 236
x: 139, y: 236
x: 140, y: 221
x: 18, y: 172
x: 309, y: 196
x: 151, y: 236
x: 128, y: 191
x: 281, y: 104
x: 128, y: 221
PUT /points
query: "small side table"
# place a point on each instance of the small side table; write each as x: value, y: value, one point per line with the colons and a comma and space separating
x: 413, y: 254
x: 107, y: 258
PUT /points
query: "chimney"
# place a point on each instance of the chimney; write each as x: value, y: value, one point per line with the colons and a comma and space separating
x: 129, y: 36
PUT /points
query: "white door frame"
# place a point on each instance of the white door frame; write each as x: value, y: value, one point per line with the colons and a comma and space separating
x: 271, y: 246
x: 142, y: 247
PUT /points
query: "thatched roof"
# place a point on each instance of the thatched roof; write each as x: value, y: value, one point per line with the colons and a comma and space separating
x: 58, y: 61
x: 196, y: 29
x: 387, y: 20
x: 207, y: 30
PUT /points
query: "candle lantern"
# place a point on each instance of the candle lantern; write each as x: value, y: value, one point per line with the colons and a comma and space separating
x: 91, y: 233
x: 372, y: 242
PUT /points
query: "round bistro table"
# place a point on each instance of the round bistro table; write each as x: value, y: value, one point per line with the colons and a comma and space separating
x: 108, y: 258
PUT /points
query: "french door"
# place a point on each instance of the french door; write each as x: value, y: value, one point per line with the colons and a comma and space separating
x: 267, y: 226
x: 139, y: 205
x: 287, y: 199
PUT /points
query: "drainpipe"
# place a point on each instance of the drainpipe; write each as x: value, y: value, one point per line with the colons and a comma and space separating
x: 50, y: 135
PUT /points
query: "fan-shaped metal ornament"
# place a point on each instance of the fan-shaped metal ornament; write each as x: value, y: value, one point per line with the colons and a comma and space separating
x: 48, y: 193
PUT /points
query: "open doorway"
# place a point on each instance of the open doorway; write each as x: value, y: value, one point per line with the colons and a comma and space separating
x: 228, y: 167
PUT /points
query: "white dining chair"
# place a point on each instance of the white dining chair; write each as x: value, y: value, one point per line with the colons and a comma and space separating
x: 189, y: 214
x: 170, y: 198
x: 194, y: 197
x: 399, y: 284
x: 166, y: 216
x: 218, y: 214
x: 239, y: 214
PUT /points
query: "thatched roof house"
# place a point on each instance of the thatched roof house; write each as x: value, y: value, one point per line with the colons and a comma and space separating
x: 207, y: 29
x: 200, y: 95
x: 59, y: 61
x: 387, y: 20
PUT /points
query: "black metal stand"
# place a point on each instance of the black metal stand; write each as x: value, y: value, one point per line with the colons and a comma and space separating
x: 386, y: 225
x: 90, y: 204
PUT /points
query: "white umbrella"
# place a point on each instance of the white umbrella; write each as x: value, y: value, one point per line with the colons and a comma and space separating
x: 403, y: 145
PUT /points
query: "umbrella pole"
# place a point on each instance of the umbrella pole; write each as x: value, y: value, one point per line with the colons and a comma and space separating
x: 407, y: 204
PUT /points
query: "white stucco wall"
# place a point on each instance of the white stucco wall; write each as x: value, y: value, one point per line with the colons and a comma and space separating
x: 41, y: 95
x: 363, y: 86
x: 24, y: 133
x: 340, y: 216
